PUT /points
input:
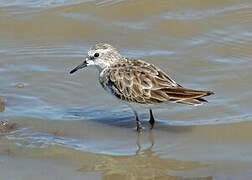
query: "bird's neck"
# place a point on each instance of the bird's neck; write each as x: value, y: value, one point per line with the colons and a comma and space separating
x: 102, y: 66
x: 101, y: 69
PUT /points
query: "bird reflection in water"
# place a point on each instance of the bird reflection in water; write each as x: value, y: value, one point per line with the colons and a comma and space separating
x: 148, y: 151
x: 145, y: 164
x: 2, y: 104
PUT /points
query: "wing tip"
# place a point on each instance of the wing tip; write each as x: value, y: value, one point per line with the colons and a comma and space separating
x: 208, y: 93
x: 197, y: 101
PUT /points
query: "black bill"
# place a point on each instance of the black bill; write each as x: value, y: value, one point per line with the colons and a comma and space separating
x: 84, y: 64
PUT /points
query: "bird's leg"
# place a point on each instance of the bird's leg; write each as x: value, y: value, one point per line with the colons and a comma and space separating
x: 139, y: 124
x: 152, y: 120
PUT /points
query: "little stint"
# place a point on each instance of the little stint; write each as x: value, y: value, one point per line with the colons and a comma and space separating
x: 136, y: 82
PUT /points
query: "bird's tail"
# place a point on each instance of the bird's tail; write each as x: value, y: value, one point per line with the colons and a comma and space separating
x: 187, y: 96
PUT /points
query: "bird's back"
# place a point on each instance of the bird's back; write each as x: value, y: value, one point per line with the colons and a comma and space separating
x: 137, y: 81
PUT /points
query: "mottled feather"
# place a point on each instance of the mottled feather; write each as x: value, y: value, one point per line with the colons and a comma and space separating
x: 137, y: 81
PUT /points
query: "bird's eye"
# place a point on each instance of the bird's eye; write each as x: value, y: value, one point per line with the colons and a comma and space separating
x: 96, y: 55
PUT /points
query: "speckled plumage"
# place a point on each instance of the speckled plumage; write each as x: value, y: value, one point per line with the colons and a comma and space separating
x: 136, y: 81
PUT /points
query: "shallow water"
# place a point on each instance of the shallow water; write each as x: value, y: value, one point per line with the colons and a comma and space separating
x: 68, y: 127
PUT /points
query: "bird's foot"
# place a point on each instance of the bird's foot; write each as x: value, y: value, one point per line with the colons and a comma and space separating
x: 152, y: 123
x: 152, y: 126
x: 139, y: 127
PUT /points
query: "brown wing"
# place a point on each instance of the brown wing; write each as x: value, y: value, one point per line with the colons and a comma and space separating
x: 141, y: 82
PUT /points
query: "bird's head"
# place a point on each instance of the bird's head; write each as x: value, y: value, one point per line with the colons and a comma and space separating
x: 100, y: 55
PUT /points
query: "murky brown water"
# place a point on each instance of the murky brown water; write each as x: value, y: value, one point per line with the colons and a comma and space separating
x: 68, y: 127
